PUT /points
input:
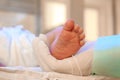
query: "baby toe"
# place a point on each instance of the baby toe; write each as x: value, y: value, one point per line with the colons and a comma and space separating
x: 82, y: 36
x: 76, y: 28
x: 82, y: 43
x: 69, y: 25
x: 80, y: 30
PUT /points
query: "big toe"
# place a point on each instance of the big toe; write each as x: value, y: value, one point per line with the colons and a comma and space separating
x: 69, y: 25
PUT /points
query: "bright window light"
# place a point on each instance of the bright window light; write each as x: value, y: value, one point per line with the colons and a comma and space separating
x: 55, y: 14
x: 91, y: 24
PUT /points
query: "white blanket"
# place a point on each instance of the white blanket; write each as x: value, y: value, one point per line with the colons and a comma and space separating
x: 22, y: 73
x: 16, y: 49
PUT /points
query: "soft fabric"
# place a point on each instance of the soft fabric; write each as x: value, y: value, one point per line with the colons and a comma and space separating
x: 74, y: 65
x: 107, y: 56
x: 16, y: 47
x: 25, y: 73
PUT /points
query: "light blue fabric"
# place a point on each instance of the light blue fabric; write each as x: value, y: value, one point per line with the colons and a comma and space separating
x: 106, y: 59
x: 17, y: 31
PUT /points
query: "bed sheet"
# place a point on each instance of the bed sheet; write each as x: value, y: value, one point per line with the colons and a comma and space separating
x: 25, y: 73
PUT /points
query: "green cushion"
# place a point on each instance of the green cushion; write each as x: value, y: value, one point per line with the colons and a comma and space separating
x: 106, y: 59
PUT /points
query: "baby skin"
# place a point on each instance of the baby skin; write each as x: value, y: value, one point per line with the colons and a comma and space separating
x: 67, y: 40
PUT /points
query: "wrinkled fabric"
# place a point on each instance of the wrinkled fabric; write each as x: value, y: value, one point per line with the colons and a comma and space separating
x: 16, y: 47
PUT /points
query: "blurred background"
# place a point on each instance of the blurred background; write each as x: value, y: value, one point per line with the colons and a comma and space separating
x: 96, y: 17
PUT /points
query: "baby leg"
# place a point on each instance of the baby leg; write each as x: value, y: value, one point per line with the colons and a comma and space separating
x: 78, y: 65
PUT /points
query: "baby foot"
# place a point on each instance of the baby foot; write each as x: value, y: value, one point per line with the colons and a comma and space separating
x: 68, y: 42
